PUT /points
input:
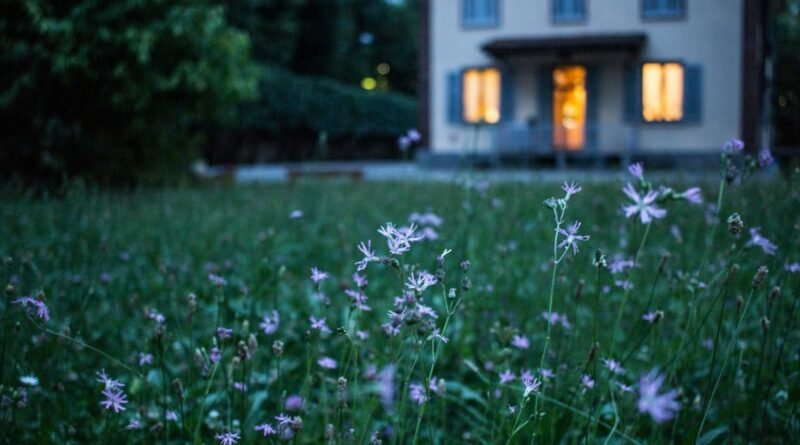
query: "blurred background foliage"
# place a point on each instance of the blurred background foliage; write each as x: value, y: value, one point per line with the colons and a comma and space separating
x: 134, y: 91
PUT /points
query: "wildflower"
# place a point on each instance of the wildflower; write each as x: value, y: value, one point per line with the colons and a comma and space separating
x: 267, y: 429
x: 240, y: 386
x: 437, y: 335
x: 319, y: 325
x: 420, y: 281
x: 42, y: 311
x: 134, y: 425
x: 643, y: 205
x: 318, y: 275
x: 227, y: 438
x: 531, y: 383
x: 270, y: 324
x: 756, y: 239
x: 613, y: 366
x: 618, y: 266
x: 115, y: 399
x: 145, y: 358
x: 653, y: 317
x: 624, y: 284
x: 327, y: 363
x: 360, y: 280
x: 423, y: 310
x: 520, y: 342
x: 224, y: 333
x: 661, y: 407
x: 417, y: 393
x: 30, y: 380
x: 693, y: 195
x: 217, y: 280
x: 624, y: 388
x: 637, y: 170
x: 572, y: 237
x: 172, y: 415
x: 733, y: 146
x: 587, y: 381
x: 359, y: 299
x: 293, y: 403
x: 413, y: 135
x: 440, y: 258
x: 369, y: 255
x: 546, y: 373
x: 403, y: 143
x: 792, y: 268
x: 507, y: 376
x: 570, y: 189
x: 109, y: 383
x: 399, y: 242
x: 296, y: 214
x: 765, y: 157
x: 214, y: 355
x: 556, y: 318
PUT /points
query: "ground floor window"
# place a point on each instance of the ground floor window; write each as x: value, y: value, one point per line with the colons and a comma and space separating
x: 481, y: 95
x: 662, y: 92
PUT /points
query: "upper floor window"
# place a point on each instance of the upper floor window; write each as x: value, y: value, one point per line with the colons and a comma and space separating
x: 481, y: 95
x: 479, y: 13
x: 663, y: 8
x: 569, y: 11
x: 662, y: 92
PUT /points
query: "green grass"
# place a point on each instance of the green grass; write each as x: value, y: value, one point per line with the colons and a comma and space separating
x: 157, y: 247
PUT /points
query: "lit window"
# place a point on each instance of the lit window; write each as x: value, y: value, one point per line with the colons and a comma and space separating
x: 481, y: 95
x: 662, y: 92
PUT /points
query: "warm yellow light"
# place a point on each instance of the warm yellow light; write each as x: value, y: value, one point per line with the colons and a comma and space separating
x: 662, y: 92
x: 368, y: 83
x: 569, y: 107
x: 481, y: 95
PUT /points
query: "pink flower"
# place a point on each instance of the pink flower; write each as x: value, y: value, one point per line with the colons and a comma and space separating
x: 572, y: 237
x: 733, y: 146
x: 507, y: 376
x: 267, y: 429
x: 296, y: 214
x: 41, y: 309
x: 693, y: 195
x: 613, y: 366
x: 756, y: 239
x: 145, y: 359
x: 270, y: 324
x: 417, y: 393
x: 115, y: 399
x: 531, y: 383
x: 642, y: 205
x: 369, y: 255
x: 420, y: 281
x: 570, y: 189
x: 227, y: 438
x: 319, y: 325
x: 327, y: 363
x: 587, y: 381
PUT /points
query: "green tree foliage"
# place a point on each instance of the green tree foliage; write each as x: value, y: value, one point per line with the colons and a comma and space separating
x: 785, y: 30
x: 115, y: 90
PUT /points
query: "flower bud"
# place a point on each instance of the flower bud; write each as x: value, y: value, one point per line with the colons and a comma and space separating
x: 466, y: 284
x: 735, y: 224
x: 764, y: 324
x: 774, y: 294
x: 732, y: 272
x: 465, y: 265
x: 759, y: 276
x: 177, y: 387
x: 277, y: 348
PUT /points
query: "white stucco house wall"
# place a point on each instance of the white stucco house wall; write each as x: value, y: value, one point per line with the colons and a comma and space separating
x: 603, y: 78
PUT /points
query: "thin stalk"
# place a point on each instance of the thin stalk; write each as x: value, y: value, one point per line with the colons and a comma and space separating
x: 627, y: 291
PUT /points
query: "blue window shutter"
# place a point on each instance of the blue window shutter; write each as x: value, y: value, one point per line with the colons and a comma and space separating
x: 632, y: 97
x: 491, y: 12
x: 454, y: 113
x: 545, y: 94
x: 506, y: 94
x: 692, y: 93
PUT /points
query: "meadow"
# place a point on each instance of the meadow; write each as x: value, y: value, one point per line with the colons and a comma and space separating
x: 238, y: 314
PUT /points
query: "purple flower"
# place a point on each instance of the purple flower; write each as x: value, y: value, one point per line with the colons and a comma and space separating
x: 650, y: 317
x: 224, y: 333
x: 613, y: 366
x: 413, y: 135
x: 115, y: 399
x: 359, y: 299
x: 417, y: 393
x: 214, y: 355
x: 399, y: 241
x: 270, y: 324
x: 765, y: 157
x: 756, y: 239
x: 227, y: 438
x: 424, y: 311
x: 296, y: 214
x: 134, y: 424
x: 693, y: 195
x: 570, y: 189
x: 108, y: 382
x: 547, y: 374
x: 643, y: 205
x: 624, y: 388
x: 618, y: 266
x: 520, y: 342
x: 319, y: 325
x: 369, y: 255
x: 637, y: 170
x: 733, y: 146
x: 267, y: 429
x: 420, y: 281
x: 437, y: 335
x: 327, y: 363
x: 507, y: 376
x: 792, y: 268
x: 240, y: 386
x: 661, y: 407
x: 572, y: 237
x: 386, y: 387
x: 360, y: 280
x: 217, y: 280
x: 293, y: 403
x: 587, y: 381
x: 41, y: 309
x: 556, y: 318
x: 283, y: 419
x: 403, y: 143
x: 531, y: 383
x: 318, y: 275
x: 172, y: 415
x: 145, y: 358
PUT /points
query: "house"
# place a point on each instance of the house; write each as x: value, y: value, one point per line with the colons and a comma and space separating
x: 591, y: 78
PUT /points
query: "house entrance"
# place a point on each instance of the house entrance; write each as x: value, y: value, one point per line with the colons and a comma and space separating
x: 569, y: 107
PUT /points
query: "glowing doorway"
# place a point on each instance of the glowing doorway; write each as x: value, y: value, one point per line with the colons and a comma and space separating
x: 569, y: 107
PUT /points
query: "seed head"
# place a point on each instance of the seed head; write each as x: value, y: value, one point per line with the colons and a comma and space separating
x: 759, y: 276
x: 774, y: 294
x: 764, y: 324
x: 277, y: 348
x: 465, y: 265
x: 735, y: 224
